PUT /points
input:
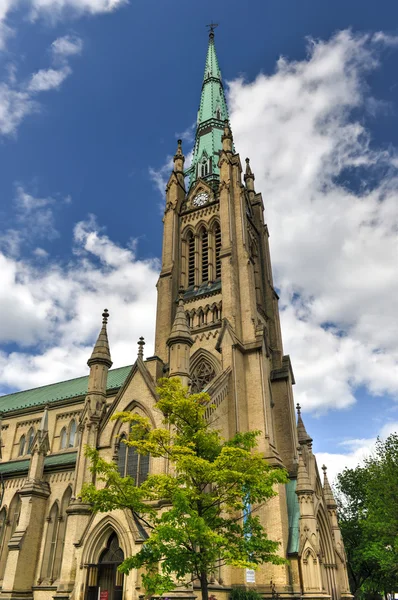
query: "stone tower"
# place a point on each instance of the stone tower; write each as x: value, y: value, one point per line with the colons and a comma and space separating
x: 216, y: 266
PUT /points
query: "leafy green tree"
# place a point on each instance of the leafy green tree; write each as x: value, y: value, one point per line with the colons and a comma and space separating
x: 368, y: 513
x: 202, y: 513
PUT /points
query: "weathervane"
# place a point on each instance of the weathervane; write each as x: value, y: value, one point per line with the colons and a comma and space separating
x: 211, y: 27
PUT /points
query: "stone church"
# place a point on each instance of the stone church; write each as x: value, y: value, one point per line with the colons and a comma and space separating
x: 218, y: 329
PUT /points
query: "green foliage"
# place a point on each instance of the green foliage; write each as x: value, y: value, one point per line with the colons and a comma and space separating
x: 368, y: 513
x: 241, y: 593
x: 200, y: 524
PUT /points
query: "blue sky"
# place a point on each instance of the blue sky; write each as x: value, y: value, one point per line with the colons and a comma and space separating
x: 93, y: 95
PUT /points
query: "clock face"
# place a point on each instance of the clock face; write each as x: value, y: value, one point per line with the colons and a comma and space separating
x: 200, y: 199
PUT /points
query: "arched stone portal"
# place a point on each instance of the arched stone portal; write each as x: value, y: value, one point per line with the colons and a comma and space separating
x: 104, y: 581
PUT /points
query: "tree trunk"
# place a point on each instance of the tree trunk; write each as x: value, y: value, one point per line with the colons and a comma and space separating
x: 204, y: 586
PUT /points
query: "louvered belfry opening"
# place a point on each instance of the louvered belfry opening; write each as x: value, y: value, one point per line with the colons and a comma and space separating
x: 191, y: 260
x: 217, y: 235
x: 205, y: 255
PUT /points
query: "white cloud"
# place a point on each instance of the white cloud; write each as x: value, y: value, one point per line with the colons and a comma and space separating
x: 48, y: 79
x: 161, y: 176
x: 334, y: 246
x: 18, y: 99
x: 54, y: 10
x: 15, y: 105
x: 359, y: 449
x: 67, y: 45
x: 56, y: 313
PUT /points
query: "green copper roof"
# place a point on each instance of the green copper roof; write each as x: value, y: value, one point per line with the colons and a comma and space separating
x: 58, y: 391
x: 50, y: 462
x: 212, y: 113
x: 293, y: 511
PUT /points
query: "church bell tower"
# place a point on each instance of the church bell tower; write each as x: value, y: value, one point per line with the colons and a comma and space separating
x: 215, y: 250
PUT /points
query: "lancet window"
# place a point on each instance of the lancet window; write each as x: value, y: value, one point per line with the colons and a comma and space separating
x: 204, y: 167
x: 68, y: 436
x: 10, y: 526
x: 22, y: 444
x: 55, y: 539
x: 30, y: 438
x: 131, y: 464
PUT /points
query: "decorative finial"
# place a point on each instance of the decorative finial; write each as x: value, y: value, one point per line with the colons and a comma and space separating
x: 298, y: 409
x: 324, y: 469
x: 181, y: 293
x: 105, y: 316
x: 141, y: 344
x: 211, y: 27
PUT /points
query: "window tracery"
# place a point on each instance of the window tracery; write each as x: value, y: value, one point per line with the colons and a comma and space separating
x: 202, y: 374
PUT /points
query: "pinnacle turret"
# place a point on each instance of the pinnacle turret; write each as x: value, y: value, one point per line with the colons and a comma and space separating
x: 179, y: 158
x: 327, y: 490
x: 302, y: 434
x: 180, y: 332
x: 101, y: 352
x: 303, y: 480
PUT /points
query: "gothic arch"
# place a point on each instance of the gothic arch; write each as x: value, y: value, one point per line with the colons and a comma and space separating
x: 98, y: 538
x: 130, y: 408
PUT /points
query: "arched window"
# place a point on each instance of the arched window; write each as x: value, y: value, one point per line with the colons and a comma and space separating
x: 191, y: 259
x: 10, y: 526
x: 51, y: 543
x: 63, y: 438
x: 204, y: 167
x: 61, y: 533
x: 201, y: 375
x: 131, y: 464
x: 204, y: 238
x: 22, y: 444
x: 217, y: 244
x: 72, y: 433
x: 30, y: 438
x: 55, y: 539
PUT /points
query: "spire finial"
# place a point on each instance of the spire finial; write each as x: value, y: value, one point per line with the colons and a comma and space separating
x: 101, y: 352
x: 298, y: 409
x: 141, y: 344
x: 211, y: 27
x: 324, y: 469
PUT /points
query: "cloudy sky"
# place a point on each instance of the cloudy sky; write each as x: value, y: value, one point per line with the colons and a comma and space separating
x: 93, y: 96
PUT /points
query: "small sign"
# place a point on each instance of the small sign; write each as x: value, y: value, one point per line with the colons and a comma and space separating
x: 104, y: 595
x: 250, y: 576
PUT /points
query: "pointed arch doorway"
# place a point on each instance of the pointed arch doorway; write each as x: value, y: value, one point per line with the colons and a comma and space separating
x: 105, y: 582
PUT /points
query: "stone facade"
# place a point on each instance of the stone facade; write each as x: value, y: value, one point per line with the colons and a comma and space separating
x: 217, y: 329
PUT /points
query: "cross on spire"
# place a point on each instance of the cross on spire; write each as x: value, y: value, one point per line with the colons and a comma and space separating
x: 211, y: 27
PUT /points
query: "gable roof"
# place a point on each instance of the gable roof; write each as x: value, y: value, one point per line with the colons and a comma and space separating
x: 58, y: 391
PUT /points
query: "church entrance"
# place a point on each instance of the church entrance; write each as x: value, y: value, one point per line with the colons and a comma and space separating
x: 105, y: 582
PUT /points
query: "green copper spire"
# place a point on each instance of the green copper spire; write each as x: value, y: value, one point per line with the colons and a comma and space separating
x: 212, y: 114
